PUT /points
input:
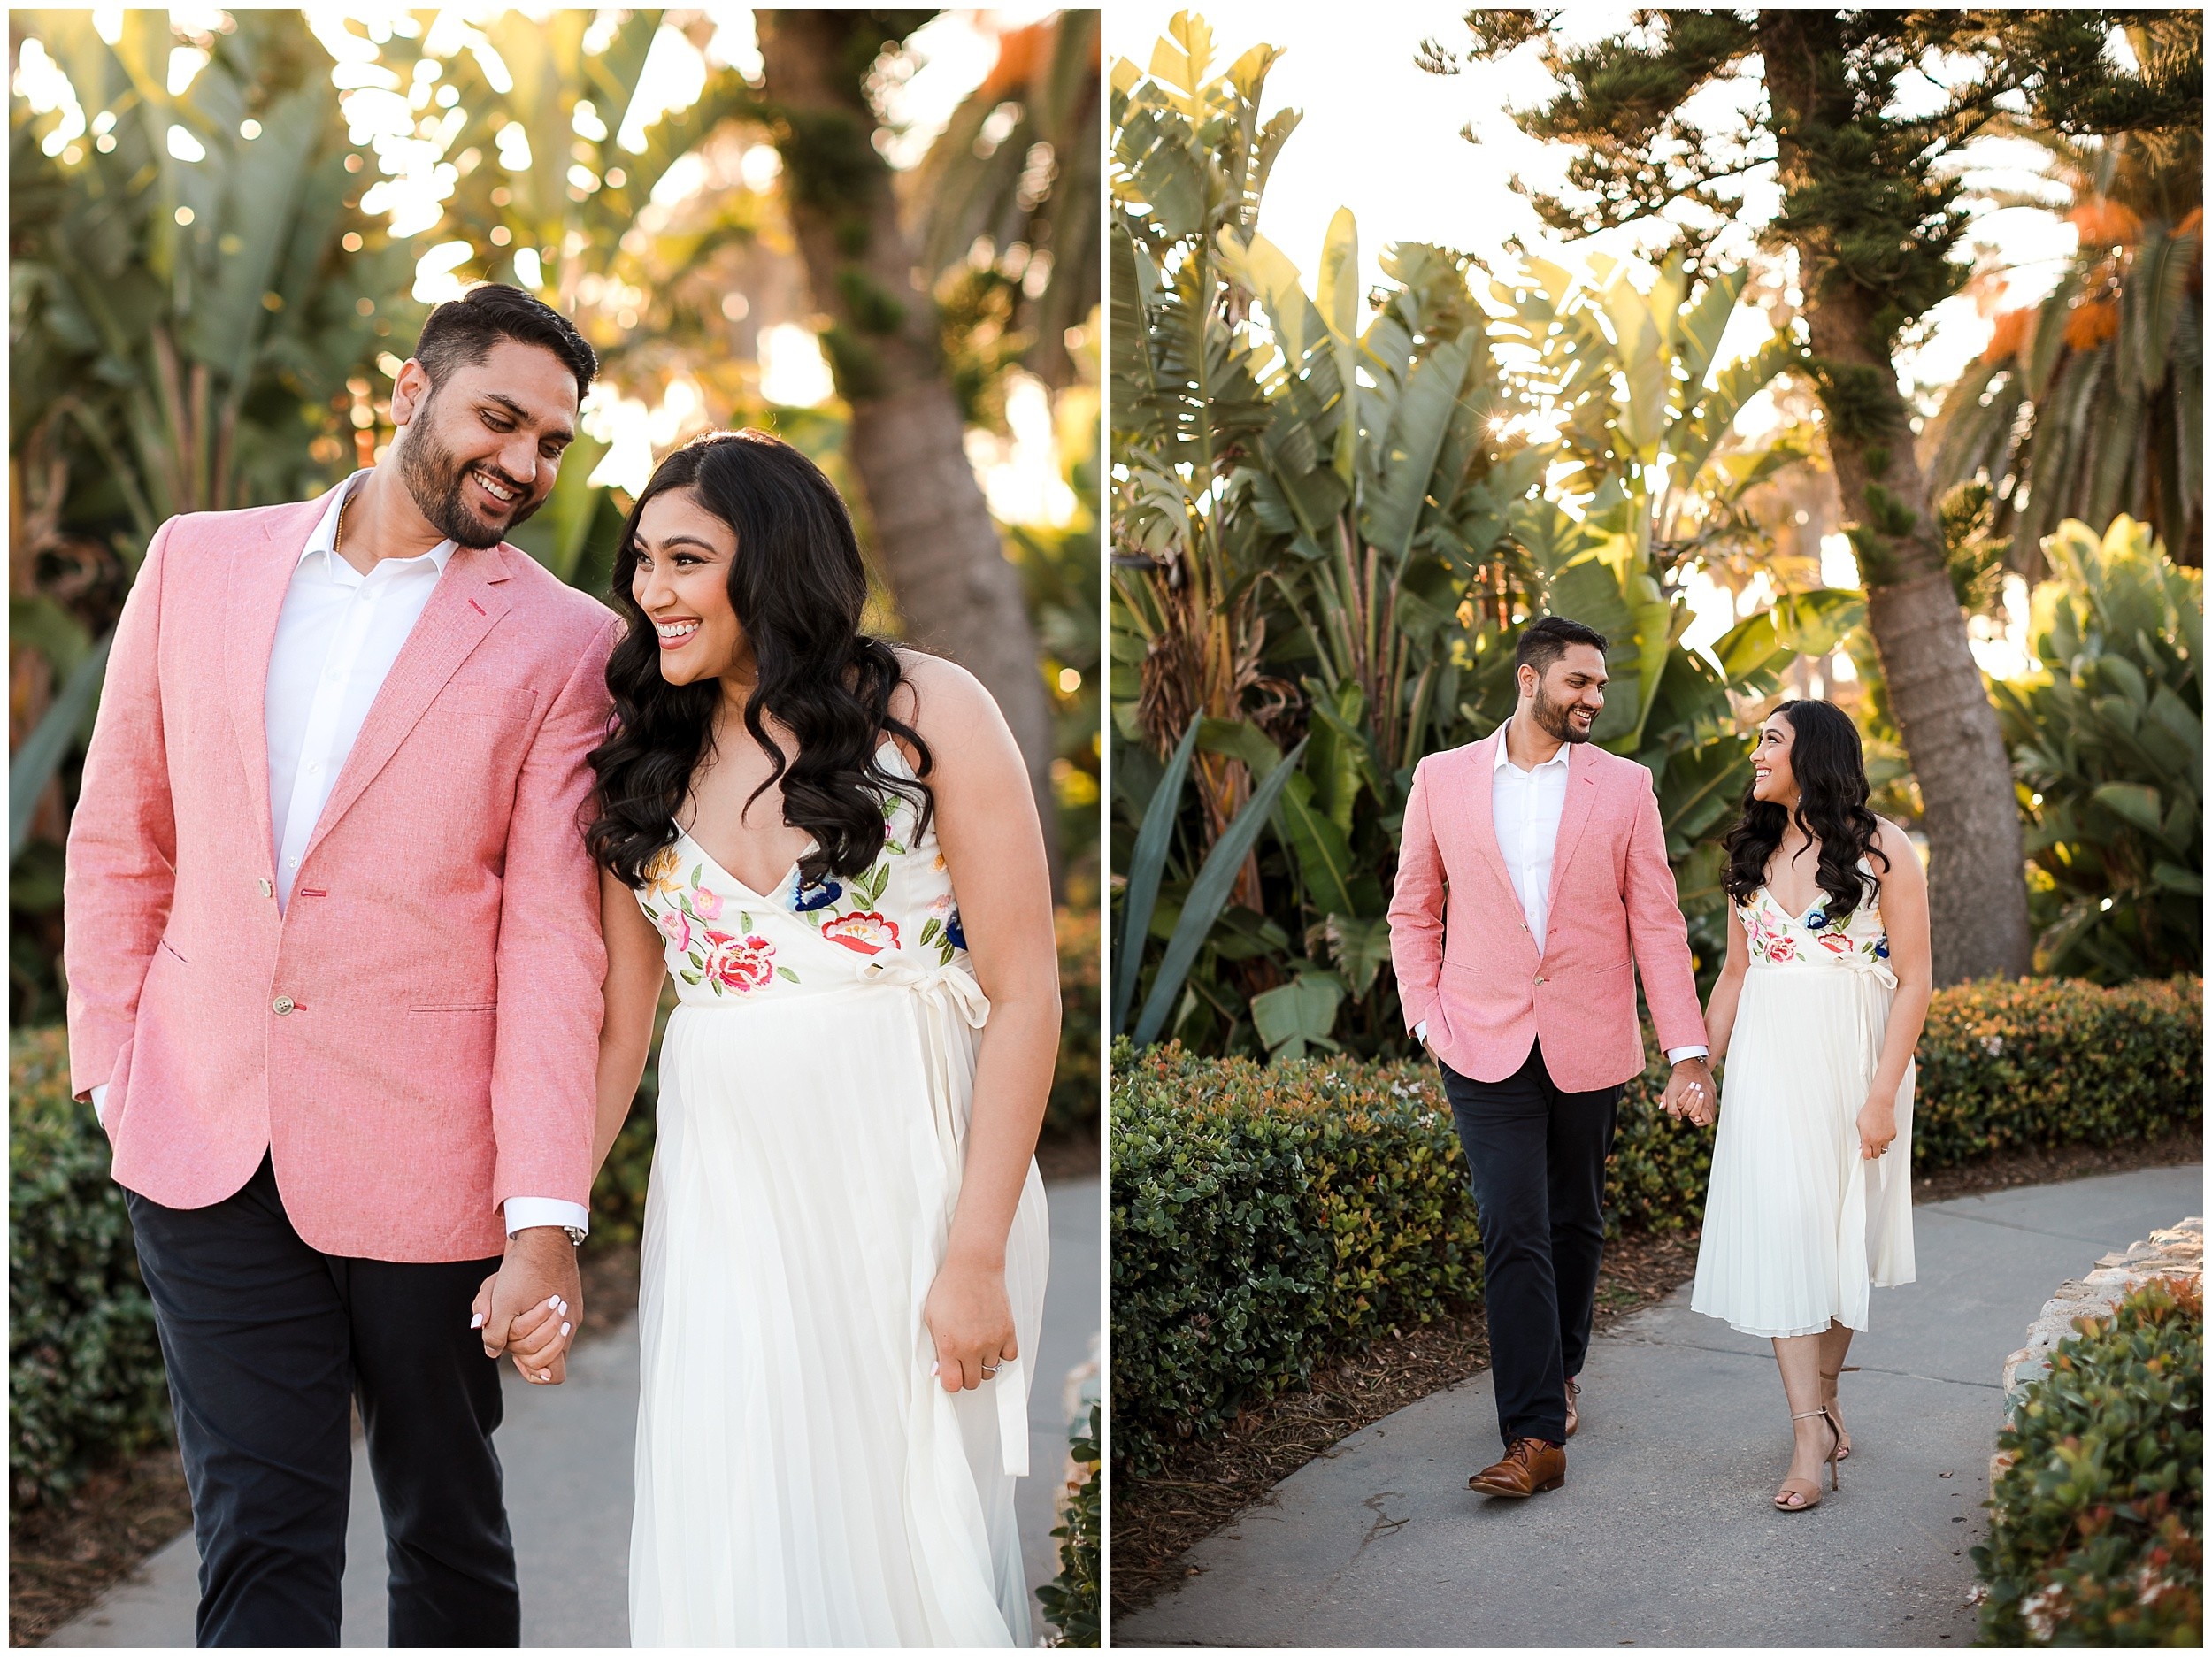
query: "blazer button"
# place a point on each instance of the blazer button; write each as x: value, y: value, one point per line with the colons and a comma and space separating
x: 267, y: 891
x: 281, y: 1006
x: 1540, y: 980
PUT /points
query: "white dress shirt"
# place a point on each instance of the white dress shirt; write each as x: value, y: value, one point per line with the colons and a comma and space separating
x: 1525, y: 807
x: 337, y: 636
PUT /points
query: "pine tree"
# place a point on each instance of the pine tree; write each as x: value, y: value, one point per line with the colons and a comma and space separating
x: 1870, y: 207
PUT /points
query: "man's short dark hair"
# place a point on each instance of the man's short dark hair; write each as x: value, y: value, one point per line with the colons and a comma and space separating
x: 462, y: 331
x: 1544, y: 641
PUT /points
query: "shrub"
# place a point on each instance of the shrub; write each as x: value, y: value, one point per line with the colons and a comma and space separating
x: 1267, y: 1219
x: 2097, y: 1528
x: 1070, y: 1600
x: 85, y: 1379
x: 2107, y: 741
x: 2041, y: 1061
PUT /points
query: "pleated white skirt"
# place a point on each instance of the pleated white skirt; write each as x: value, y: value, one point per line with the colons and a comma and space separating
x: 1798, y: 1226
x: 801, y: 1478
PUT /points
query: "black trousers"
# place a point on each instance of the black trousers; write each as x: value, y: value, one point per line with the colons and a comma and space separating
x: 267, y: 1341
x: 1536, y: 1163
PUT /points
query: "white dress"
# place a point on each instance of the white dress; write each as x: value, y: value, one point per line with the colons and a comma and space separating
x: 802, y: 1477
x: 1798, y: 1225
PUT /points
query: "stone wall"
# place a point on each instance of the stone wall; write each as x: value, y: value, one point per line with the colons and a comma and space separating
x: 2178, y: 1251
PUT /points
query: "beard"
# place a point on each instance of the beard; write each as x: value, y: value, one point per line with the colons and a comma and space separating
x: 435, y: 478
x: 1554, y: 719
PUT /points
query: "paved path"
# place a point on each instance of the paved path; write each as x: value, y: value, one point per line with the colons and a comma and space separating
x: 567, y: 1451
x: 1664, y: 1534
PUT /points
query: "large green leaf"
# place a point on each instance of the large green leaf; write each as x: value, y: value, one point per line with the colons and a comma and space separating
x: 34, y: 764
x: 1146, y: 860
x: 1293, y: 1016
x: 1217, y: 878
x: 1323, y: 849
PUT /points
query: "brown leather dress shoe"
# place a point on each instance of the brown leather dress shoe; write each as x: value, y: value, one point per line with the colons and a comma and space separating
x: 1574, y: 1414
x: 1530, y: 1465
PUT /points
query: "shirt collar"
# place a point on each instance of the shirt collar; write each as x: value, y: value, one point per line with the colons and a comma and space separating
x: 324, y: 540
x: 1498, y: 762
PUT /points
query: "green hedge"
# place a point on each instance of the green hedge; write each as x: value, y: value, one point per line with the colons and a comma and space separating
x: 2097, y: 1527
x: 1266, y: 1218
x: 84, y: 1365
x: 2043, y: 1061
x: 1071, y: 1600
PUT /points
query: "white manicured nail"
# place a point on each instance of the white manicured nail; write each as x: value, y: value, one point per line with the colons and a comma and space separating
x: 477, y: 1322
x: 564, y: 1329
x: 553, y: 1305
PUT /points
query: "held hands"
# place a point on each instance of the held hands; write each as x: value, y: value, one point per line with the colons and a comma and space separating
x: 1691, y: 1094
x: 530, y: 1308
x: 1877, y: 1127
x: 972, y: 1321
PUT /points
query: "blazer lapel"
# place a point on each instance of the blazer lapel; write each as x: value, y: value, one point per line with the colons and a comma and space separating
x: 1574, y: 817
x: 463, y: 607
x: 1482, y: 822
x: 260, y: 576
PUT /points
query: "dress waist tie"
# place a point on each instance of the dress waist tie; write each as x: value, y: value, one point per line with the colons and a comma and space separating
x: 950, y: 992
x: 1851, y: 1239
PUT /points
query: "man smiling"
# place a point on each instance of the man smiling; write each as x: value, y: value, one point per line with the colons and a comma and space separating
x: 334, y: 971
x: 1533, y: 891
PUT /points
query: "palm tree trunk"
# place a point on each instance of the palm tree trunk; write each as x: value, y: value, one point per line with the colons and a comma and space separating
x: 941, y: 549
x: 1978, y: 897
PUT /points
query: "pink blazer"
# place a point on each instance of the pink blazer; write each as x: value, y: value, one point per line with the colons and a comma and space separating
x: 1470, y: 966
x: 416, y: 1038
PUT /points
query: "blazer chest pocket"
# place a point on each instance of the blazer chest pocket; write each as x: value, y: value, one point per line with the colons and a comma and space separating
x: 501, y: 703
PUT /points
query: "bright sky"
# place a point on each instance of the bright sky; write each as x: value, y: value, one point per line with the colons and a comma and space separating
x: 1381, y: 136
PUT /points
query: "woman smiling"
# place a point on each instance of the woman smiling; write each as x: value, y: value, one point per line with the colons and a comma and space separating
x: 831, y: 846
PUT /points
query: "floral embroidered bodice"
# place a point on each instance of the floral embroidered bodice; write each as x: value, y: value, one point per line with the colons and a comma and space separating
x: 726, y: 945
x: 1858, y: 941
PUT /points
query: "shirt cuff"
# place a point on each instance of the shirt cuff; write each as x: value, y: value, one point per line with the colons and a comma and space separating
x: 525, y: 1212
x: 1421, y: 1032
x: 100, y: 1103
x: 1675, y: 1055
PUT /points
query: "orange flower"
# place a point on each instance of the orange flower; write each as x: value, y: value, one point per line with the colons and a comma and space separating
x: 2103, y: 222
x: 2091, y: 323
x: 2010, y: 336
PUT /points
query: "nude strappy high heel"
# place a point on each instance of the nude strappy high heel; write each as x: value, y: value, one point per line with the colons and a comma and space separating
x: 1829, y: 1386
x: 1797, y: 1487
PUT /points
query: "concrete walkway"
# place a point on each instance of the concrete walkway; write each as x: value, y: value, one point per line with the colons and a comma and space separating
x: 567, y: 1454
x: 1664, y: 1534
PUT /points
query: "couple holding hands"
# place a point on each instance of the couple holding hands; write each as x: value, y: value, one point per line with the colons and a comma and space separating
x: 1533, y: 891
x: 386, y: 843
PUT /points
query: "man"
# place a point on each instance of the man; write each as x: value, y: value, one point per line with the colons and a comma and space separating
x: 334, y: 971
x: 1533, y: 865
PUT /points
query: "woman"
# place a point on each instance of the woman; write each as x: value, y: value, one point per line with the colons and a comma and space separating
x: 845, y: 1234
x: 1817, y: 1011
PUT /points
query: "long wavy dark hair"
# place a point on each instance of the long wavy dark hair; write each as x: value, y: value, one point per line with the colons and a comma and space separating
x: 798, y: 587
x: 1831, y: 790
